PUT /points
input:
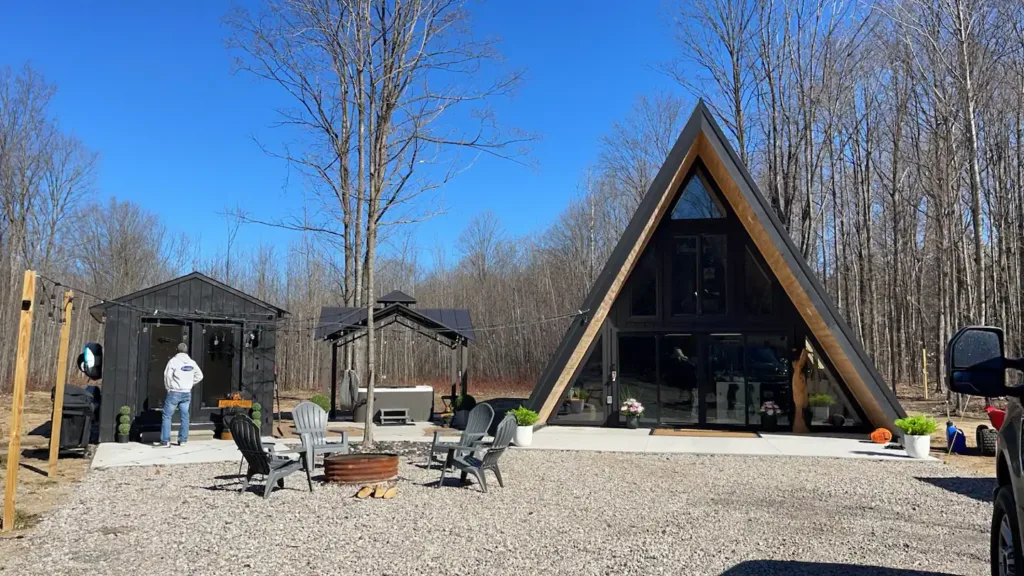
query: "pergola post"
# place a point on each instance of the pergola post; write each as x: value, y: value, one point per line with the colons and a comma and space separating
x: 334, y: 380
x: 455, y: 367
x: 465, y: 365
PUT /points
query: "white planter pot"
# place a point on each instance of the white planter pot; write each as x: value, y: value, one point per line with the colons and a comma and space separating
x: 524, y: 435
x: 819, y: 413
x: 917, y: 446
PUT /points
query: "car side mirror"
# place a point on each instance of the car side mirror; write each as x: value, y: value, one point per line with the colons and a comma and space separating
x: 976, y: 364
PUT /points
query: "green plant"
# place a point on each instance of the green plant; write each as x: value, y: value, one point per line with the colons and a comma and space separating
x: 257, y: 407
x: 123, y: 428
x: 524, y: 416
x: 322, y: 401
x: 920, y: 425
x: 257, y: 419
x: 821, y: 399
x: 578, y: 393
x: 124, y: 419
x: 465, y: 402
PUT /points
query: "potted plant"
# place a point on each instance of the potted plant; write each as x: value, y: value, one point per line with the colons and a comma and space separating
x: 631, y: 410
x: 124, y: 424
x: 256, y: 414
x: 820, y: 404
x: 577, y: 398
x: 770, y: 415
x: 525, y: 419
x: 463, y: 404
x: 917, y: 434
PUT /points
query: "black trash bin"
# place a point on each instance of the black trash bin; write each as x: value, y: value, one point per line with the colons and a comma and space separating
x: 80, y: 406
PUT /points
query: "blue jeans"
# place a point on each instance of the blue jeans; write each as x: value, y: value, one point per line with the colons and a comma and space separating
x: 181, y: 401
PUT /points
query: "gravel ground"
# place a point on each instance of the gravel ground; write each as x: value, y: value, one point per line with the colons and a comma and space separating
x: 561, y: 513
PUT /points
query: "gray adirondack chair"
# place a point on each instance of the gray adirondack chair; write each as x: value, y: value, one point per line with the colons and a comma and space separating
x: 477, y: 424
x: 467, y: 463
x: 273, y: 468
x: 311, y: 426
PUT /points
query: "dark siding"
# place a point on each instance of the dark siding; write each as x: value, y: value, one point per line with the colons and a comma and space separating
x: 196, y: 297
x: 171, y: 298
x: 109, y: 381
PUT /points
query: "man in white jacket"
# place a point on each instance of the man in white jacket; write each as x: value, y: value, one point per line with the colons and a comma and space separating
x: 180, y: 375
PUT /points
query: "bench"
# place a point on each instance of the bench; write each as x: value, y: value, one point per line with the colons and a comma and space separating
x: 393, y: 416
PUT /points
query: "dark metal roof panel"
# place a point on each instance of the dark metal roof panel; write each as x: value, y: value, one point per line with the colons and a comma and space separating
x: 396, y: 296
x: 336, y: 320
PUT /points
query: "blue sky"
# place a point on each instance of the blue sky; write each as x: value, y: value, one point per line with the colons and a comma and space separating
x: 149, y: 86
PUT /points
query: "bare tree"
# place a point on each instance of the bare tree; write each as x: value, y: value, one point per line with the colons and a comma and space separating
x: 386, y: 90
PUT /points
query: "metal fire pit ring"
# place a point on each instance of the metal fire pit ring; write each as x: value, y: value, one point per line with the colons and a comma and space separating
x: 360, y: 468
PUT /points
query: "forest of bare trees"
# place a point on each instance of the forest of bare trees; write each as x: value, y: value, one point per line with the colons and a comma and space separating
x: 889, y: 137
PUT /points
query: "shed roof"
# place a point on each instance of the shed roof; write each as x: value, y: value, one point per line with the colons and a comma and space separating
x: 98, y: 311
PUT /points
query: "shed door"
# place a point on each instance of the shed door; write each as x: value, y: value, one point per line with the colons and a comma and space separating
x: 158, y: 344
x: 221, y: 362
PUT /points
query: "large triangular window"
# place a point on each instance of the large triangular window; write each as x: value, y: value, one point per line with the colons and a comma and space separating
x: 696, y: 202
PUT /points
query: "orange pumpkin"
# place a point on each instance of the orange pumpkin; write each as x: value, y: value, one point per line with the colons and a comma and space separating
x: 881, y: 436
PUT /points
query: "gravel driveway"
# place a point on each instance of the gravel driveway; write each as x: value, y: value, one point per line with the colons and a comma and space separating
x: 562, y: 513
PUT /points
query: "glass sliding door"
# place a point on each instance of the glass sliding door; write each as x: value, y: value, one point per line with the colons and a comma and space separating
x: 637, y: 376
x: 725, y: 394
x: 679, y: 380
x: 768, y: 378
x: 718, y: 380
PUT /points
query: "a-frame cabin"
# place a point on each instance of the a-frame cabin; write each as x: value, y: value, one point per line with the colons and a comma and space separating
x: 707, y: 313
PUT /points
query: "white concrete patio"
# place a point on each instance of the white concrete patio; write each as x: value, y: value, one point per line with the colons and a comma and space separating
x: 641, y: 440
x: 569, y: 438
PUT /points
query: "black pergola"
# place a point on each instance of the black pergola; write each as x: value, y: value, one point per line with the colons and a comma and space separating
x: 450, y: 327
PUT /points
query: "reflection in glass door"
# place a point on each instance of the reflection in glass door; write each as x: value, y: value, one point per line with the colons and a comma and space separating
x: 637, y: 374
x: 680, y: 398
x: 725, y: 397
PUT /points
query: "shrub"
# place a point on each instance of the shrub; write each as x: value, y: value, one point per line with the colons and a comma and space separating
x: 465, y: 402
x: 322, y: 401
x: 821, y: 399
x: 123, y: 428
x: 125, y: 410
x: 917, y: 425
x: 257, y: 407
x: 257, y: 419
x: 524, y: 416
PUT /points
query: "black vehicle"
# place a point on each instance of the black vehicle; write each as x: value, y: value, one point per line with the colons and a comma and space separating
x: 976, y: 365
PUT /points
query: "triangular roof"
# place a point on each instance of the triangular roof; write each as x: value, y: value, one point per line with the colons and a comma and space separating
x: 98, y: 311
x: 703, y: 139
x: 396, y: 296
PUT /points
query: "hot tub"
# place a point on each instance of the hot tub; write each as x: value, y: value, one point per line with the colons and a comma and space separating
x: 418, y: 400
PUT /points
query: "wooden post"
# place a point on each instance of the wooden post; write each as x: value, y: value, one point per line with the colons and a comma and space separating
x: 28, y: 306
x: 924, y: 370
x: 62, y: 373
